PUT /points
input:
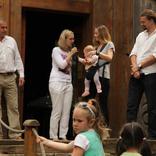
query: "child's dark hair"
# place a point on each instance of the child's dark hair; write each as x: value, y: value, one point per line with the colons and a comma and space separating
x: 94, y: 111
x: 133, y: 136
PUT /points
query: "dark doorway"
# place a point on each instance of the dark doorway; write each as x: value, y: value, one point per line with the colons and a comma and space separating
x: 42, y: 32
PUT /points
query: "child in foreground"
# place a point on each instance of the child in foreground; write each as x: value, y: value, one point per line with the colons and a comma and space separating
x: 88, y: 124
x: 132, y: 141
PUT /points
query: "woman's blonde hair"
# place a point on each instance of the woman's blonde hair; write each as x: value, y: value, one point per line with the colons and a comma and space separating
x: 94, y: 112
x: 62, y: 39
x: 104, y: 35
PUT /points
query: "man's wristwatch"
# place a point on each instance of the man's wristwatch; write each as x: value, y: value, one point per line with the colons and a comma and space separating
x: 139, y: 66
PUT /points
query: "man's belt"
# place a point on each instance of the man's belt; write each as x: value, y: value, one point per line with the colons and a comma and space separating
x: 8, y: 73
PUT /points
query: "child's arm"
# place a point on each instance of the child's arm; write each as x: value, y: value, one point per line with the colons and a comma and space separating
x: 77, y: 151
x: 82, y: 60
x: 62, y: 147
x: 92, y: 60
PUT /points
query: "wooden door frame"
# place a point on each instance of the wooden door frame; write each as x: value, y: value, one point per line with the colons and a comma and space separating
x: 17, y: 22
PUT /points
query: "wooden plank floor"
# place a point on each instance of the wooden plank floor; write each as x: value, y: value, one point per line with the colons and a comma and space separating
x: 16, y: 148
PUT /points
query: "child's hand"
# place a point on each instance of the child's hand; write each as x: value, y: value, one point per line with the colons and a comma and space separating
x: 89, y: 62
x: 74, y: 50
x: 40, y: 139
x: 84, y: 61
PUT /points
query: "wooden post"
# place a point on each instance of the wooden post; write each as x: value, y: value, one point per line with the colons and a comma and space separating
x: 30, y: 145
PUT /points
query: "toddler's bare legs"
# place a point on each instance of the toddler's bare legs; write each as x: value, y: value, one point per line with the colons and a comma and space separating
x: 87, y: 86
x: 97, y: 82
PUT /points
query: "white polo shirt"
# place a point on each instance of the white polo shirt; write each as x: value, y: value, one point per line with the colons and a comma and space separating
x: 144, y: 46
x: 10, y: 59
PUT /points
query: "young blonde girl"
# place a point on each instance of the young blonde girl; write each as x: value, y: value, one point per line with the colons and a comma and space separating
x: 132, y: 141
x: 89, y: 126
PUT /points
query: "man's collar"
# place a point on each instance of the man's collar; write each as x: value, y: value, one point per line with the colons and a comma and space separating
x: 3, y: 39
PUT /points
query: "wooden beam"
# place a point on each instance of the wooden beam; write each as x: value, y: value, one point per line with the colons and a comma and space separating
x: 122, y: 38
x: 15, y: 21
x: 4, y: 14
x: 4, y: 10
x: 16, y: 32
x: 102, y: 13
x: 55, y: 5
x: 30, y: 145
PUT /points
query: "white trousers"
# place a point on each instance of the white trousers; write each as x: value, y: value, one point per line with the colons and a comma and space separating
x: 61, y: 95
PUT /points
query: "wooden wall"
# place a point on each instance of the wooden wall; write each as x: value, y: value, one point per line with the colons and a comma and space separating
x: 11, y: 11
x: 139, y: 6
x: 120, y: 16
x: 122, y: 19
x: 4, y: 9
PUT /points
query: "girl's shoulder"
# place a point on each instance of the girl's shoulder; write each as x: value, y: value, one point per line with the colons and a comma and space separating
x: 90, y: 133
x: 86, y: 134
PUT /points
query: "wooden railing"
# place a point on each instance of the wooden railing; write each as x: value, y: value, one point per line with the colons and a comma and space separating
x: 29, y: 147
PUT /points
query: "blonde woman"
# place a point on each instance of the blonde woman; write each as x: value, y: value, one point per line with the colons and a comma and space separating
x: 105, y: 50
x: 60, y: 86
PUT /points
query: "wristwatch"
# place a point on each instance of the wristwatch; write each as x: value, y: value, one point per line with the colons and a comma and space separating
x: 97, y: 52
x: 139, y: 66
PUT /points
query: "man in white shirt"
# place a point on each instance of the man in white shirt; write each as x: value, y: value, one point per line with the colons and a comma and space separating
x: 10, y: 62
x: 143, y: 71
